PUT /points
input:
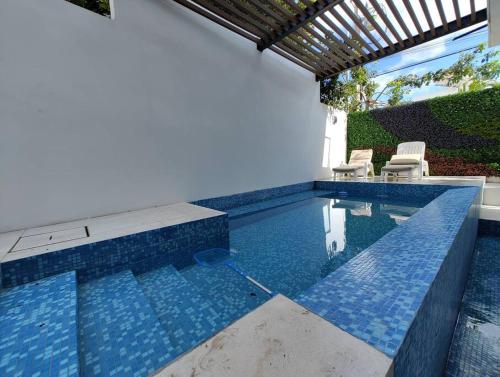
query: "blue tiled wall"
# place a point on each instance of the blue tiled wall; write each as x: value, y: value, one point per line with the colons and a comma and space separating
x: 425, y: 347
x: 401, y: 295
x: 138, y: 252
x: 223, y: 203
x: 392, y: 190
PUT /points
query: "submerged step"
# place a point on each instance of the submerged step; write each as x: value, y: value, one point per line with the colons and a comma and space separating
x: 231, y: 293
x: 187, y: 317
x: 38, y: 328
x: 119, y: 333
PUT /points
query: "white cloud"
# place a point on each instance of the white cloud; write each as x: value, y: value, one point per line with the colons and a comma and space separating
x: 432, y: 91
x: 421, y: 52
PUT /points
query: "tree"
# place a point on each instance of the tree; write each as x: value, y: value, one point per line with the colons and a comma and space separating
x: 99, y: 6
x: 474, y: 70
x: 354, y: 90
x: 349, y: 91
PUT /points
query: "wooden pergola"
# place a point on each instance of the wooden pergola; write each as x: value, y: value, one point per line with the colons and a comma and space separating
x: 327, y: 37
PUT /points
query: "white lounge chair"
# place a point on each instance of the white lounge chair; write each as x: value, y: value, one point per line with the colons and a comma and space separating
x: 408, y: 160
x: 360, y: 163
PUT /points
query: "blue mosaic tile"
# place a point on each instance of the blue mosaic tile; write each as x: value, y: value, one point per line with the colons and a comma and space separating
x: 119, y: 332
x: 475, y: 350
x: 376, y: 296
x: 384, y: 190
x: 290, y: 248
x: 188, y: 317
x: 273, y: 203
x: 230, y: 293
x: 38, y: 328
x: 223, y: 203
x: 139, y: 252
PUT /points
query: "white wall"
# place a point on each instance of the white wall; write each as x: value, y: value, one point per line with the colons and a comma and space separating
x: 157, y: 106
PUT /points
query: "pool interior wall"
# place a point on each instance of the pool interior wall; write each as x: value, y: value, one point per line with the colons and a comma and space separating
x: 415, y: 317
x: 475, y: 350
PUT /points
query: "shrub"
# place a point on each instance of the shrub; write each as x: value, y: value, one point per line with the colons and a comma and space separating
x: 462, y: 132
x: 472, y: 113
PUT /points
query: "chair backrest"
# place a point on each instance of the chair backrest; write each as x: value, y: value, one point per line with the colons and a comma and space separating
x: 412, y: 147
x: 360, y: 156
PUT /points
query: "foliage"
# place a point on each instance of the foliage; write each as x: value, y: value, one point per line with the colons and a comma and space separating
x: 472, y: 114
x: 349, y: 91
x: 476, y: 113
x: 363, y: 130
x: 101, y: 7
x: 415, y: 121
x: 473, y: 71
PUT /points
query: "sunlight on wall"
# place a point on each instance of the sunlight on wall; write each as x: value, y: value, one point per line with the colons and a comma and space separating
x: 334, y: 149
x: 335, y: 228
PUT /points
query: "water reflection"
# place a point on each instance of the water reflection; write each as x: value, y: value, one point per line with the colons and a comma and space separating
x: 291, y: 248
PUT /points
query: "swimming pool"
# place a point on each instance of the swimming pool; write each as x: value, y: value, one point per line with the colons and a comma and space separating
x: 289, y: 248
x: 286, y: 249
x: 164, y: 295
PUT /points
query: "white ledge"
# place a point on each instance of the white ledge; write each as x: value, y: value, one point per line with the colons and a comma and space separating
x: 16, y: 245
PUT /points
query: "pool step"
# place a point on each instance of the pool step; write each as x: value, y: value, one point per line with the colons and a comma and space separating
x: 232, y: 294
x: 185, y: 314
x: 38, y: 328
x: 119, y: 333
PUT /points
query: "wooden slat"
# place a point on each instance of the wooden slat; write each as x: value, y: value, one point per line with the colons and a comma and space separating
x: 282, y: 9
x: 256, y: 15
x: 457, y: 12
x: 400, y: 20
x: 386, y: 21
x: 345, y: 39
x: 425, y: 8
x: 218, y: 20
x: 225, y: 15
x: 296, y: 38
x: 295, y: 7
x: 350, y: 29
x: 414, y: 18
x: 312, y: 59
x: 473, y: 10
x: 360, y: 25
x: 266, y: 8
x: 313, y: 11
x: 355, y: 52
x: 333, y: 43
x: 299, y: 56
x: 374, y: 23
x: 327, y: 53
x: 245, y: 17
x: 442, y: 15
x: 335, y: 47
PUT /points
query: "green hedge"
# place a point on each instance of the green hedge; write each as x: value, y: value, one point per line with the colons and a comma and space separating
x: 470, y: 113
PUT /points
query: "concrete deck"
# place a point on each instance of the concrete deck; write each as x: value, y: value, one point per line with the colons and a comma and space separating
x: 281, y: 339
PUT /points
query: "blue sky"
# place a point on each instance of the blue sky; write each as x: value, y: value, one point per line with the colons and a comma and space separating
x: 426, y: 51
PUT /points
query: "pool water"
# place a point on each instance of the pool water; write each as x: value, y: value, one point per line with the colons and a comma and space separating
x: 289, y: 248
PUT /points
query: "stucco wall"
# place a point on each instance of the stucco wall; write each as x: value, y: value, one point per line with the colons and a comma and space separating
x: 156, y: 106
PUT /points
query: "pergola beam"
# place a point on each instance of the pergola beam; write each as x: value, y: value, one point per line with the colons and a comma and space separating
x: 328, y: 37
x: 440, y: 31
x: 310, y: 13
